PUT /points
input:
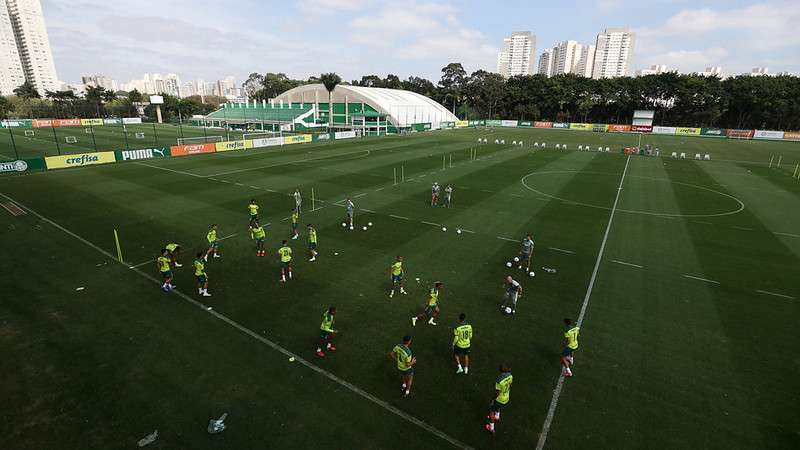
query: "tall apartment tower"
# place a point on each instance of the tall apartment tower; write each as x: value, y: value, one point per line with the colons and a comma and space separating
x: 585, y: 61
x: 546, y: 62
x: 11, y: 73
x: 613, y: 53
x: 565, y: 57
x: 34, y: 55
x: 517, y: 56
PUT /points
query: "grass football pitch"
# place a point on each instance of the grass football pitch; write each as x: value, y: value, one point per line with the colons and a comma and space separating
x: 38, y: 142
x: 684, y: 273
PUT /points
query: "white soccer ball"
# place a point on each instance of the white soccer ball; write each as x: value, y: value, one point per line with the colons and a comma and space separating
x: 364, y: 228
x: 516, y: 259
x: 344, y: 224
x: 369, y: 224
x: 532, y: 274
x: 508, y: 264
x: 458, y: 231
x: 507, y: 310
x: 444, y: 228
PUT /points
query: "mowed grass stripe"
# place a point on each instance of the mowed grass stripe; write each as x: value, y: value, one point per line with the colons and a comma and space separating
x: 353, y: 388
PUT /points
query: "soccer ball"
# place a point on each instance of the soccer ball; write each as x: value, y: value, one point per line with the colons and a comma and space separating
x: 344, y: 224
x: 458, y: 231
x: 369, y: 224
x: 516, y: 259
x: 364, y: 228
x: 444, y: 228
x: 507, y: 310
x: 532, y: 274
x: 508, y: 264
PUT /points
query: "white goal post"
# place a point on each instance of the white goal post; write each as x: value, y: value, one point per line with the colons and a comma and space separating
x: 200, y: 140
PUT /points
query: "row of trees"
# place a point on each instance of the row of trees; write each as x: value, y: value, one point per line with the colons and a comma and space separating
x: 27, y: 102
x: 682, y: 100
x: 678, y: 99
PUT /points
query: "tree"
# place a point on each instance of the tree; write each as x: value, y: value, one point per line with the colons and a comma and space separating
x: 420, y: 86
x: 94, y: 96
x: 370, y: 81
x: 135, y: 96
x: 5, y: 107
x: 452, y: 83
x: 253, y: 85
x: 330, y: 81
x: 392, y: 82
x: 27, y: 91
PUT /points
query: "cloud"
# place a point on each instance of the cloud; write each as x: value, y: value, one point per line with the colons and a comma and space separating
x: 736, y: 38
x: 429, y: 32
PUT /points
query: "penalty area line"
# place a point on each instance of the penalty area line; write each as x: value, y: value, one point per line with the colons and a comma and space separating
x: 269, y: 343
x: 551, y: 411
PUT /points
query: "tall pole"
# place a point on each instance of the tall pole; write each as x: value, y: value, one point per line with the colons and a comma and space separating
x: 94, y: 141
x: 55, y: 138
x: 155, y: 135
x: 125, y: 133
x: 180, y: 123
x: 13, y: 143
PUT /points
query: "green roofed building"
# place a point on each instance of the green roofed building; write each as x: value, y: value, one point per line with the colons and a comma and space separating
x: 305, y: 108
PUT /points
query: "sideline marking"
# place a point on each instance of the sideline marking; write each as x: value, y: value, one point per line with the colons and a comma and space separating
x: 786, y: 234
x: 560, y: 384
x: 277, y: 347
x: 775, y: 294
x: 398, y: 217
x: 506, y: 239
x: 701, y: 279
x: 169, y: 170
x: 626, y: 263
x: 430, y: 223
x: 561, y: 250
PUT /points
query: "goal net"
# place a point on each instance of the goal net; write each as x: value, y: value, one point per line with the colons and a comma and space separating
x: 200, y: 140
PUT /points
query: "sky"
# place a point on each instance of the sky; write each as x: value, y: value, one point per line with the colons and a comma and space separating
x: 213, y: 39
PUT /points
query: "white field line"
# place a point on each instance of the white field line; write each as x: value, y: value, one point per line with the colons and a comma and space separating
x: 701, y: 279
x: 548, y: 421
x: 506, y: 239
x: 398, y: 217
x: 467, y: 231
x: 282, y: 164
x: 775, y: 294
x: 561, y: 250
x: 353, y: 388
x: 169, y: 170
x: 254, y: 187
x: 360, y: 195
x: 153, y: 260
x: 368, y: 210
x: 626, y: 263
x: 430, y: 223
x: 743, y: 228
x: 379, y: 189
x: 786, y: 234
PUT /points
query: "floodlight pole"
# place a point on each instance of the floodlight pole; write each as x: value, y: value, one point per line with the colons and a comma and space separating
x: 55, y: 138
x: 13, y: 143
x: 94, y: 141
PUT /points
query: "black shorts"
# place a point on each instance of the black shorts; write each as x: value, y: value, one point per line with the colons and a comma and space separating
x: 495, y: 406
x: 460, y: 351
